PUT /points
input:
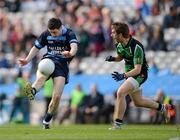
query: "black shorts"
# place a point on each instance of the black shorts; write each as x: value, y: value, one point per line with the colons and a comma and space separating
x: 61, y: 69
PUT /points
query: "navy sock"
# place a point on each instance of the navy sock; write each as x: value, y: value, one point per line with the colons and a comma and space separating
x: 160, y: 107
x: 118, y: 121
x: 48, y: 117
x: 34, y: 91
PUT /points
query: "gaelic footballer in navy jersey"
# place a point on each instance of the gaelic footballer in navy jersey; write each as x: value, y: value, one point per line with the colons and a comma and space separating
x: 62, y: 44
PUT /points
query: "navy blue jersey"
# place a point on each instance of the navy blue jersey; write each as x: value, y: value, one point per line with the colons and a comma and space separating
x: 56, y: 45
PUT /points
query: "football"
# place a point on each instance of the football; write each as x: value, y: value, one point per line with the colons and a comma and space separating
x: 46, y: 66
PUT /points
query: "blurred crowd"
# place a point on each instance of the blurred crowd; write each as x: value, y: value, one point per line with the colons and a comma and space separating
x: 21, y: 21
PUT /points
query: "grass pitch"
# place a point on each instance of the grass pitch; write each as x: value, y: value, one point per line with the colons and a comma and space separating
x: 90, y: 132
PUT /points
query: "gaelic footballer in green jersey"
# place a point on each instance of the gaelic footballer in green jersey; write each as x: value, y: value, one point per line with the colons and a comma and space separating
x: 132, y: 52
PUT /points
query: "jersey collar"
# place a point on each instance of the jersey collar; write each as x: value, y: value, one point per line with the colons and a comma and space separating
x: 64, y: 30
x: 129, y: 42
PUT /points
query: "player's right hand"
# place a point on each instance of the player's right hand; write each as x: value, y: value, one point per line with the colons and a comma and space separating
x: 66, y: 54
x: 22, y: 62
x: 118, y: 76
x: 110, y: 58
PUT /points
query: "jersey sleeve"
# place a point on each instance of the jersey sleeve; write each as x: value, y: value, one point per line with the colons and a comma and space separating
x: 138, y: 55
x: 41, y: 41
x: 72, y: 37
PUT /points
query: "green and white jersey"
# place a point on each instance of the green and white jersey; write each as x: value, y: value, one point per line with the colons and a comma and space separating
x: 133, y: 53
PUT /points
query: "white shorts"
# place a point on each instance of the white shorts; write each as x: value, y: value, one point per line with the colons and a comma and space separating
x: 133, y: 82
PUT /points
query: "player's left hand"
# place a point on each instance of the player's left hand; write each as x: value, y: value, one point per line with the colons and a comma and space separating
x: 117, y: 76
x: 67, y: 54
x: 22, y: 62
x: 110, y: 58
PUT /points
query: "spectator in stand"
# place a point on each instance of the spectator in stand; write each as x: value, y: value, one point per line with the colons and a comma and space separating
x: 4, y: 32
x: 172, y: 19
x: 76, y: 99
x: 3, y: 61
x: 96, y: 37
x: 92, y: 105
x: 153, y: 69
x: 145, y: 9
x: 142, y: 34
x: 71, y: 7
x: 75, y: 66
x: 69, y: 19
x: 28, y: 39
x: 83, y: 42
x: 12, y: 6
x: 157, y: 42
x: 7, y: 70
x: 58, y: 11
x: 155, y: 9
x: 21, y: 101
x: 16, y: 35
x: 177, y: 3
x: 164, y: 5
x: 137, y: 20
x: 106, y: 23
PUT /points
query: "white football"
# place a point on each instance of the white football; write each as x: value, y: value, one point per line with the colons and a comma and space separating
x: 46, y: 66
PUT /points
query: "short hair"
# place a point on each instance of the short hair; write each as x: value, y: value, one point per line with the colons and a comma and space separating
x: 54, y: 23
x: 121, y: 28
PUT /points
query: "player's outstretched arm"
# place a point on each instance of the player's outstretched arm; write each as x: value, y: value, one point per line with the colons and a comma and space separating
x: 32, y: 53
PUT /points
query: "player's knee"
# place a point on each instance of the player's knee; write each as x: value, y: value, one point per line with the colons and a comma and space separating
x: 121, y: 93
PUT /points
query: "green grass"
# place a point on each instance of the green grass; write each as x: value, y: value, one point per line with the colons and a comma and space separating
x: 90, y: 132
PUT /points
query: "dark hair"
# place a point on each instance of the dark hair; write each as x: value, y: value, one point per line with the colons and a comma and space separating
x: 121, y: 28
x: 54, y: 23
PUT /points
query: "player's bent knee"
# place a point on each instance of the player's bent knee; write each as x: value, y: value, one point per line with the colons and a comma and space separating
x: 133, y: 82
x: 121, y: 94
x: 122, y: 91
